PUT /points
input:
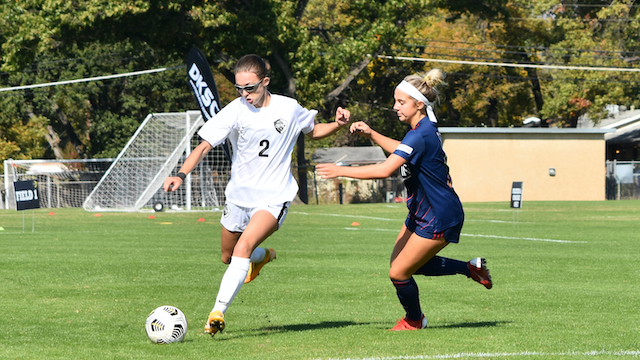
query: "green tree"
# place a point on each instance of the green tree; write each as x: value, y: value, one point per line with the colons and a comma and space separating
x: 604, y: 36
x: 60, y: 40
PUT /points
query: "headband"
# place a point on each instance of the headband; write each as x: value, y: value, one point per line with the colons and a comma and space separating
x: 411, y: 90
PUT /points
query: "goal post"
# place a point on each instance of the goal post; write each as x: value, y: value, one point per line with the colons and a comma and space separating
x: 60, y: 183
x: 134, y: 180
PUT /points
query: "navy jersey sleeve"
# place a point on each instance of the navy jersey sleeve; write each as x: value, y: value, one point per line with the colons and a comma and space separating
x: 411, y: 148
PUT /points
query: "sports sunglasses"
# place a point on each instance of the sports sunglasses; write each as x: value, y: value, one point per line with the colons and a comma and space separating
x: 248, y: 88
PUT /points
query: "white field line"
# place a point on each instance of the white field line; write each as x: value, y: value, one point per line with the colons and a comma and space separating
x: 472, y: 235
x: 526, y: 238
x: 631, y: 353
x: 495, y: 221
x: 487, y: 236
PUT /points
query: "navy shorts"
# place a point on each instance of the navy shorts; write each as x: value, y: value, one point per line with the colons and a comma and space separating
x: 428, y: 231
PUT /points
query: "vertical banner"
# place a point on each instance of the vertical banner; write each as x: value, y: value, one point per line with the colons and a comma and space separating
x: 516, y: 194
x: 26, y: 195
x: 204, y: 88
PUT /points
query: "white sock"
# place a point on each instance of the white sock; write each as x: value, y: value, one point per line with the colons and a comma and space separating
x: 231, y: 283
x: 258, y: 254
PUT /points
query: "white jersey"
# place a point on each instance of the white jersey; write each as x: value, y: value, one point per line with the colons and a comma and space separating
x: 262, y: 141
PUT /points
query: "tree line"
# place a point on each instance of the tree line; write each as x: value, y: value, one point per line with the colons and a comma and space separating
x: 325, y: 53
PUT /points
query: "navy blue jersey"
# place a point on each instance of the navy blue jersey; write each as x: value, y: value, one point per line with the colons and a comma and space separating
x: 431, y: 199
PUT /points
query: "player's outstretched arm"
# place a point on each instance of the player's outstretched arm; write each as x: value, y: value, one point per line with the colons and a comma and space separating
x: 377, y: 171
x: 343, y: 116
x: 172, y: 183
x: 386, y: 143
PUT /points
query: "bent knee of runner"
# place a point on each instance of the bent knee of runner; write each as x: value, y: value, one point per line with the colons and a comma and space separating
x: 226, y: 258
x: 243, y: 249
x: 399, y: 273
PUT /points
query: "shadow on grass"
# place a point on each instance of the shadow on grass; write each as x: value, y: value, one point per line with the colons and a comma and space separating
x: 270, y: 330
x: 480, y: 324
x: 304, y: 327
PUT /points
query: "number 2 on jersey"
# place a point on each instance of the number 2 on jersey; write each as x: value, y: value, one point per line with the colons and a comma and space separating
x: 265, y: 145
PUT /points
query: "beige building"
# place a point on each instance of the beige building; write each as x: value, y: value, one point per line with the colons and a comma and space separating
x: 553, y: 164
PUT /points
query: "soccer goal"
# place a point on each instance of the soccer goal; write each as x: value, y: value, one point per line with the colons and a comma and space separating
x: 61, y: 183
x: 134, y: 181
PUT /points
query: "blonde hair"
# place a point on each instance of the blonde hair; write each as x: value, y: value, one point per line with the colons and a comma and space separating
x: 428, y: 83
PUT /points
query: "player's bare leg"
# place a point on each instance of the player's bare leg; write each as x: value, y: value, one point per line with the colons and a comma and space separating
x: 409, y: 254
x: 261, y: 225
x: 259, y: 219
x: 228, y: 241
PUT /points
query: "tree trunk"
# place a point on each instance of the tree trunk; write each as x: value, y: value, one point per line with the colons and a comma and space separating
x: 73, y: 137
x: 537, y: 93
x: 492, y: 112
x: 291, y: 81
x: 54, y: 141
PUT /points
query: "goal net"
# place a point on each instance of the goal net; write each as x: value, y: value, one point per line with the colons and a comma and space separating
x: 61, y: 183
x: 134, y: 181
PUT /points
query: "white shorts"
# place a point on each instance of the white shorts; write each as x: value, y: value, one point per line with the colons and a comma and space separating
x: 236, y: 218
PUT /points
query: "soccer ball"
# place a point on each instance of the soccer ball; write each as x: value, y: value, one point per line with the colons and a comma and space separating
x: 166, y: 324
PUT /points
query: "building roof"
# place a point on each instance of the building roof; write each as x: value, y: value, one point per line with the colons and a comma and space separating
x: 627, y: 134
x: 521, y: 130
x: 624, y: 123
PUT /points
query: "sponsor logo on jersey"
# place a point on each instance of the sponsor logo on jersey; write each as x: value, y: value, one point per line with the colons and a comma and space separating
x: 405, y: 172
x: 280, y: 125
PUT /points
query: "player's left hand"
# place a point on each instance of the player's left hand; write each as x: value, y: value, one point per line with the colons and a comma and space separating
x: 343, y: 116
x: 327, y: 171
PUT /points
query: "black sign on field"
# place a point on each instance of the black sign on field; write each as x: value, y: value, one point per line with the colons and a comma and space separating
x: 26, y: 195
x: 516, y: 194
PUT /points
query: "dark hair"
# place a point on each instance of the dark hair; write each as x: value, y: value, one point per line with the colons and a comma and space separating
x: 254, y: 64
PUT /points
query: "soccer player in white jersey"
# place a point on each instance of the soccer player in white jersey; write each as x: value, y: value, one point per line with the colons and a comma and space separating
x: 263, y: 129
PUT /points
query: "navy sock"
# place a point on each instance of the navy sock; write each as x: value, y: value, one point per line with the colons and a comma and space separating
x: 408, y: 295
x: 439, y: 266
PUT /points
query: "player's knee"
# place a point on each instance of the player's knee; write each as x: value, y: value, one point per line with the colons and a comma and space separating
x: 398, y: 273
x: 226, y: 259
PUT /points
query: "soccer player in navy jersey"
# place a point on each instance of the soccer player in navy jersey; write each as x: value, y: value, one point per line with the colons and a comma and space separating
x: 435, y: 212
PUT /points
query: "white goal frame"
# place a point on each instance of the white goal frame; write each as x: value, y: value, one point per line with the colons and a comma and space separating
x: 134, y: 180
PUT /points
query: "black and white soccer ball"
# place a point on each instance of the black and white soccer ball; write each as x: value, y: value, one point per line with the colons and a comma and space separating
x: 166, y: 324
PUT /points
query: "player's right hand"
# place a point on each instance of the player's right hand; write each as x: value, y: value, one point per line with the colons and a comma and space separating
x: 360, y: 128
x: 172, y: 183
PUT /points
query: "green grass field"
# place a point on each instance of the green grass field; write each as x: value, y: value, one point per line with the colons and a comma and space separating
x: 77, y: 286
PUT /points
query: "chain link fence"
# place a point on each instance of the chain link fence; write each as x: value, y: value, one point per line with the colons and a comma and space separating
x: 623, y: 180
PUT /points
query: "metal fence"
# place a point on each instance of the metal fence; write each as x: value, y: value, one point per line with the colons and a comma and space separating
x: 623, y: 180
x: 622, y: 183
x: 352, y: 191
x: 61, y: 183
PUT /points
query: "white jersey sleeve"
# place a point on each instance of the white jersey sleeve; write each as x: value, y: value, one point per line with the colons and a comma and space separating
x: 307, y: 119
x: 218, y: 128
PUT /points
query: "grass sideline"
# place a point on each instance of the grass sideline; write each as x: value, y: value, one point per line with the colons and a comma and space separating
x: 80, y: 286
